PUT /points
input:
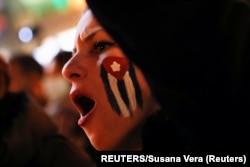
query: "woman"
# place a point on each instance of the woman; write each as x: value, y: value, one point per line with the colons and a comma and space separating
x: 190, y: 62
x: 112, y: 94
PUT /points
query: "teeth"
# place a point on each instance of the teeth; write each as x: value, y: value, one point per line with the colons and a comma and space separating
x: 86, y: 104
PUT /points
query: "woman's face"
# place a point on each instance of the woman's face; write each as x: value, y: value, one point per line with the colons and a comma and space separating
x: 111, y: 95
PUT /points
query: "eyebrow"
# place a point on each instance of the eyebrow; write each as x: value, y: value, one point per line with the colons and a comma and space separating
x: 89, y: 34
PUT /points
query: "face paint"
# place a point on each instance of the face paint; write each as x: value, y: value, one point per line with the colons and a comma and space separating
x: 121, y: 85
x: 89, y: 32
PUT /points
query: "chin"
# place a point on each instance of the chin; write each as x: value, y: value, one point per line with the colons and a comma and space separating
x: 103, y: 145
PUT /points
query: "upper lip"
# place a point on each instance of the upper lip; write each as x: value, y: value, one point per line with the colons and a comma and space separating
x: 82, y: 102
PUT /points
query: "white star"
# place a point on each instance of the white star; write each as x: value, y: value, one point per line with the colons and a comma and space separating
x: 115, y: 66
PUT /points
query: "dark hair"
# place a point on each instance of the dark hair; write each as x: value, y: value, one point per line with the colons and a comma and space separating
x: 3, y: 71
x: 196, y: 56
x: 27, y: 63
x: 62, y: 57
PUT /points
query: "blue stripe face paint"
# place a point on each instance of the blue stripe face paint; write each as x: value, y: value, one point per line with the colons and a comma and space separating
x: 121, y: 85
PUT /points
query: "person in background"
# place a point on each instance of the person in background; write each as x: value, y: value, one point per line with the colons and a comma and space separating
x: 26, y: 74
x: 28, y: 137
x: 55, y: 86
x: 59, y: 107
x: 165, y: 76
x: 4, y: 79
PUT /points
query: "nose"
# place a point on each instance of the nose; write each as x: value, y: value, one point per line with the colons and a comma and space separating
x: 73, y: 70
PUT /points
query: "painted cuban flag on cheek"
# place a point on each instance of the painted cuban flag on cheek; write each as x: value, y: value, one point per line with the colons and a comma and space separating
x: 121, y: 85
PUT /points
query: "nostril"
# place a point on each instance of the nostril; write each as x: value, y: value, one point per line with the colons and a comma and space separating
x: 74, y: 75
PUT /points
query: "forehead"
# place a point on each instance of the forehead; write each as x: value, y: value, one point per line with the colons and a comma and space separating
x: 87, y: 24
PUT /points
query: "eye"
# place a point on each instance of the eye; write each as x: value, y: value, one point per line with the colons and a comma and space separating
x: 101, y: 46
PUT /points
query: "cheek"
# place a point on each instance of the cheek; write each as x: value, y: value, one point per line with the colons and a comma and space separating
x: 150, y: 105
x: 121, y: 85
x: 143, y: 83
x: 147, y: 97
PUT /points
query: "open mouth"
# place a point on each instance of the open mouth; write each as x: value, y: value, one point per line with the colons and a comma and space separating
x: 85, y: 104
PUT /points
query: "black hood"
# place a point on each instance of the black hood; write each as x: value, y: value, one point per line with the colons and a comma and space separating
x: 195, y: 55
x: 182, y: 46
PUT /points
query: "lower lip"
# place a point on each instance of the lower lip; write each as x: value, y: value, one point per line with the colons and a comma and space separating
x: 84, y: 119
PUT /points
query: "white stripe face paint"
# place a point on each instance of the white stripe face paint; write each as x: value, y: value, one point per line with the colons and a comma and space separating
x: 130, y: 91
x: 113, y: 84
x: 119, y: 85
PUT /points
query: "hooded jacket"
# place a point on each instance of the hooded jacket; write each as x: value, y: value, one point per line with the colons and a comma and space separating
x: 195, y: 55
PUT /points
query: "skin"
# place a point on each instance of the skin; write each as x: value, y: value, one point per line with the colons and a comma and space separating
x: 106, y: 129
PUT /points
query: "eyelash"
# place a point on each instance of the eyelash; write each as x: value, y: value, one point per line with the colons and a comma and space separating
x: 100, y: 46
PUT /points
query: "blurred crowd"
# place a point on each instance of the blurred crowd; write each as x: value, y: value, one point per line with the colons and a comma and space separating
x: 36, y: 115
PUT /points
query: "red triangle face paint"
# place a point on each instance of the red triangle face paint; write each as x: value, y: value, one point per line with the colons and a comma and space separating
x: 116, y: 66
x: 121, y: 85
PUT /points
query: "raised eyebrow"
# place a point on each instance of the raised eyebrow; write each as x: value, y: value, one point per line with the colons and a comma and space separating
x: 90, y: 34
x: 87, y: 38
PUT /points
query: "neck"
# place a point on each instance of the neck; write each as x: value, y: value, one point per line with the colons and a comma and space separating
x: 132, y: 142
